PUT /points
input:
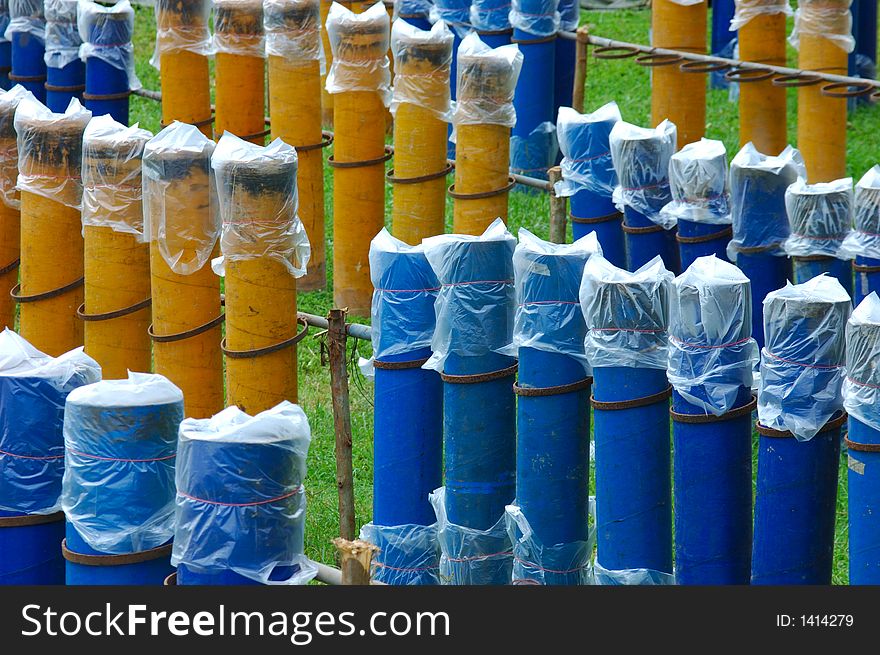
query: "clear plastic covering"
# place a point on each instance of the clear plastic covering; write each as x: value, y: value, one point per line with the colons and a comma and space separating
x: 475, y: 317
x: 570, y: 15
x: 861, y: 388
x: 537, y: 18
x: 111, y: 175
x: 238, y: 28
x: 426, y: 56
x: 802, y: 363
x: 547, y: 564
x: 534, y: 153
x: 631, y: 577
x: 120, y: 440
x: 415, y: 550
x: 820, y: 216
x: 179, y: 154
x: 9, y: 101
x: 62, y: 36
x: 864, y: 239
x: 699, y: 184
x: 456, y: 13
x: 4, y: 20
x: 641, y: 158
x: 182, y: 27
x: 830, y: 20
x: 227, y: 519
x: 711, y: 350
x: 412, y: 9
x: 486, y: 79
x: 293, y: 30
x: 50, y: 150
x: 490, y: 15
x: 470, y: 556
x: 26, y: 17
x: 359, y: 43
x: 586, y: 164
x: 627, y: 314
x: 746, y: 10
x: 256, y: 189
x: 549, y: 325
x: 757, y: 183
x: 33, y: 387
x: 106, y: 33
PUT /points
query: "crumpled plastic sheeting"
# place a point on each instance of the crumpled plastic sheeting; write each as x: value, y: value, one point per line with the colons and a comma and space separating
x: 167, y: 156
x: 296, y: 42
x: 751, y: 173
x: 33, y: 121
x: 475, y: 317
x: 33, y: 388
x: 4, y: 20
x: 864, y: 239
x: 861, y: 388
x: 699, y: 184
x: 257, y: 193
x: 627, y: 314
x: 210, y: 523
x: 422, y: 89
x: 351, y: 70
x: 107, y: 193
x: 570, y: 15
x: 545, y: 326
x: 490, y: 15
x: 820, y: 216
x: 816, y: 18
x: 26, y: 17
x: 532, y: 155
x: 469, y: 556
x: 103, y: 37
x: 188, y: 34
x: 641, y: 158
x: 595, y: 173
x: 711, y: 349
x: 524, y: 16
x: 746, y: 10
x: 486, y: 81
x: 802, y: 363
x: 631, y: 577
x: 235, y: 35
x: 455, y: 12
x: 120, y: 440
x: 416, y: 550
x: 413, y: 9
x: 62, y: 35
x: 9, y: 101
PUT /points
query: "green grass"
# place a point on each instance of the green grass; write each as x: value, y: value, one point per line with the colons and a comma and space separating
x: 624, y: 82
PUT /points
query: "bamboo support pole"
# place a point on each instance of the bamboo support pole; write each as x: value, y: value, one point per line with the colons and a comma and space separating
x: 762, y: 105
x: 240, y: 69
x: 676, y: 95
x: 10, y: 203
x: 355, y: 560
x: 295, y: 102
x: 358, y: 159
x: 420, y: 138
x: 51, y: 232
x: 579, y: 92
x: 821, y: 134
x: 181, y: 30
x: 558, y: 208
x: 117, y: 261
x: 336, y: 344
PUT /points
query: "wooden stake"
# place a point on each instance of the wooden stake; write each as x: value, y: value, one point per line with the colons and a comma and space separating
x: 580, y: 69
x: 355, y: 558
x: 558, y: 208
x: 336, y: 341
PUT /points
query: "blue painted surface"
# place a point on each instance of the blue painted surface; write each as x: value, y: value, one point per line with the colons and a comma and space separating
x: 150, y: 572
x: 27, y: 61
x: 767, y: 273
x: 32, y: 554
x: 839, y: 268
x: 5, y: 64
x: 642, y: 248
x: 688, y: 252
x: 102, y: 78
x: 866, y: 282
x: 722, y: 36
x: 72, y: 75
x: 863, y: 483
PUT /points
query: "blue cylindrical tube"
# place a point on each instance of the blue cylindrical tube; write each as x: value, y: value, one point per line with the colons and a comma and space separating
x: 566, y: 53
x: 641, y: 159
x: 490, y: 20
x: 456, y: 13
x: 863, y: 242
x: 65, y: 71
x: 31, y: 547
x: 866, y: 38
x: 723, y: 38
x: 589, y: 177
x: 415, y: 12
x: 109, y: 59
x: 120, y: 439
x: 407, y: 413
x: 553, y: 413
x: 760, y: 223
x: 799, y: 419
x: 627, y: 317
x: 240, y: 501
x: 711, y: 359
x: 28, y: 27
x: 474, y: 322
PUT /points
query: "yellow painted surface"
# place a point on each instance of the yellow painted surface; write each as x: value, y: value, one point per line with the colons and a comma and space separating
x: 762, y: 106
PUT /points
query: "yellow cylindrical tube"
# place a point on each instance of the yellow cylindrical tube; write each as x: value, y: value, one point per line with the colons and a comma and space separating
x: 421, y: 98
x: 679, y: 96
x: 762, y: 105
x: 178, y: 205
x: 10, y: 203
x: 240, y: 69
x: 50, y: 160
x: 821, y: 119
x: 293, y: 28
x: 360, y: 61
x: 181, y: 37
x: 326, y: 96
x: 117, y: 259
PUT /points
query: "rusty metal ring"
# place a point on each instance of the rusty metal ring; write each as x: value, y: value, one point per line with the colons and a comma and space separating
x: 656, y: 60
x: 706, y: 238
x: 853, y: 90
x: 30, y: 519
x: 256, y: 135
x: 739, y: 412
x: 616, y: 216
x: 26, y: 78
x: 796, y: 80
x: 201, y: 123
x: 651, y: 229
x: 268, y: 350
x: 864, y: 268
x: 398, y: 366
x: 389, y: 176
x: 114, y: 560
x: 537, y: 392
x: 615, y: 52
x: 617, y: 405
x: 546, y: 39
x: 511, y: 182
x: 704, y: 66
x: 119, y: 313
x: 188, y: 334
x: 326, y: 140
x: 477, y: 378
x: 748, y: 75
x: 54, y: 293
x: 11, y: 266
x: 862, y: 447
x: 64, y: 89
x: 122, y: 95
x: 389, y: 152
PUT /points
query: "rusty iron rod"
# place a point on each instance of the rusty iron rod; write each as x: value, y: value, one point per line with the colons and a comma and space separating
x: 337, y: 333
